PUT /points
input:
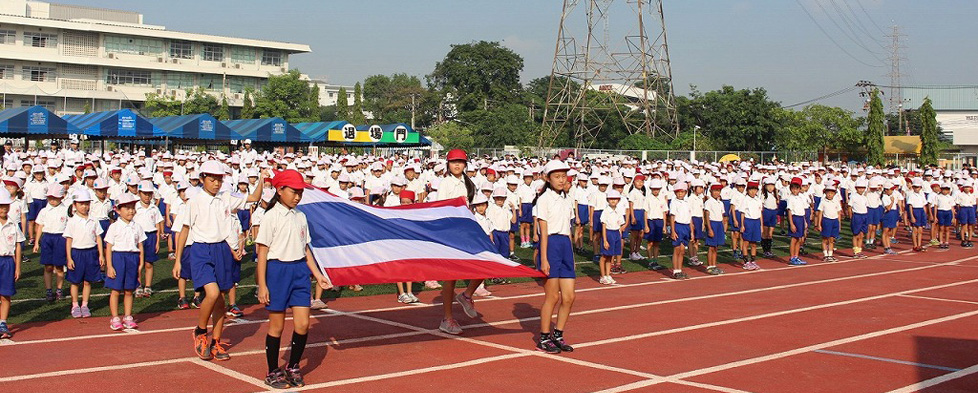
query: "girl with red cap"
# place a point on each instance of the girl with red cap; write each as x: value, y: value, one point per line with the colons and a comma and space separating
x: 284, y: 265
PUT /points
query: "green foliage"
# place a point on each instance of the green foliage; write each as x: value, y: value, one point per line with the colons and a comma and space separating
x: 160, y: 105
x: 874, y: 131
x: 88, y: 107
x: 342, y: 105
x: 929, y: 140
x: 739, y: 119
x: 224, y: 111
x: 289, y: 97
x: 642, y: 142
x: 820, y: 128
x: 199, y: 101
x: 356, y: 113
x: 508, y: 124
x: 248, y: 107
x: 478, y: 75
x: 452, y: 135
x: 388, y: 98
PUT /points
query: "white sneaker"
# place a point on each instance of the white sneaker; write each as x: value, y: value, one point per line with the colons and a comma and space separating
x: 404, y: 298
x: 414, y: 299
x: 317, y: 304
x: 138, y: 292
x: 611, y: 280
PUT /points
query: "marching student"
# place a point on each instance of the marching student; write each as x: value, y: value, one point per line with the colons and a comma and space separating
x: 827, y: 220
x: 874, y: 212
x: 916, y: 216
x: 11, y: 238
x: 966, y: 212
x: 613, y: 221
x: 124, y: 260
x: 149, y: 218
x: 797, y: 222
x: 555, y: 210
x: 284, y: 265
x: 858, y: 211
x: 211, y: 259
x: 751, y: 226
x: 680, y: 218
x: 179, y: 211
x: 101, y: 205
x: 656, y: 210
x: 36, y: 195
x: 525, y: 193
x: 890, y: 202
x: 736, y: 216
x: 715, y: 237
x: 83, y: 243
x: 597, y: 201
x: 580, y: 194
x: 51, y: 222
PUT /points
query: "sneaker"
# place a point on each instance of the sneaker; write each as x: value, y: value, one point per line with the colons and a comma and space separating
x: 85, y: 312
x: 695, y: 261
x: 679, y: 275
x: 545, y: 344
x: 49, y: 296
x: 129, y: 323
x: 655, y: 266
x: 404, y: 298
x: 611, y: 281
x: 219, y: 352
x: 450, y: 326
x: 414, y: 299
x: 276, y: 379
x: 861, y: 256
x: 467, y: 305
x: 432, y: 285
x: 481, y: 291
x: 934, y: 242
x: 4, y: 330
x: 888, y: 251
x: 147, y: 292
x: 58, y: 295
x: 171, y: 256
x: 115, y: 324
x: 294, y: 378
x: 138, y: 292
x: 559, y: 341
x: 235, y: 312
x: 713, y: 270
x: 603, y: 280
x: 636, y: 256
x: 356, y: 288
x: 317, y: 304
x: 183, y: 304
x: 75, y: 312
x: 514, y: 258
x: 202, y: 346
x: 195, y: 303
x: 796, y: 262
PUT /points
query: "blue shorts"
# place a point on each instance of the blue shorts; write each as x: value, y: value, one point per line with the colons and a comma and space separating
x: 639, y: 224
x: 818, y: 201
x: 830, y: 228
x: 53, y: 251
x: 614, y: 243
x: 126, y: 265
x: 244, y: 215
x: 726, y: 206
x: 500, y: 241
x: 582, y: 215
x: 945, y: 217
x: 86, y: 268
x: 526, y: 213
x: 966, y: 215
x: 752, y: 230
x: 697, y: 227
x: 185, y: 265
x: 874, y: 215
x: 7, y: 270
x: 808, y: 216
x: 236, y: 270
x: 890, y: 219
x: 149, y: 248
x: 288, y: 284
x: 918, y: 217
x: 770, y: 217
x: 858, y: 224
x: 35, y: 207
x: 783, y: 208
x: 801, y: 227
x: 719, y: 238
x: 560, y: 255
x: 682, y: 235
x: 596, y: 221
x: 655, y: 230
x: 105, y: 226
x: 212, y: 263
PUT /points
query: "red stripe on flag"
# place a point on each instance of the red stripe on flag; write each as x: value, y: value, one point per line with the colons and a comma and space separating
x: 426, y: 270
x: 455, y: 202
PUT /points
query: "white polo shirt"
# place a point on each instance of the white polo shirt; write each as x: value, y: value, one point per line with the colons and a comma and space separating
x: 944, y: 202
x: 207, y: 216
x: 695, y: 205
x: 680, y: 210
x: 557, y: 210
x: 916, y: 200
x: 798, y: 203
x: 965, y: 199
x: 54, y: 219
x: 715, y: 208
x: 858, y: 203
x: 147, y: 217
x: 655, y: 207
x: 484, y: 223
x: 286, y: 233
x: 82, y: 232
x: 830, y: 208
x: 99, y: 210
x: 10, y: 237
x: 614, y: 218
x: 125, y: 236
x: 751, y: 207
x: 500, y: 217
x: 452, y: 187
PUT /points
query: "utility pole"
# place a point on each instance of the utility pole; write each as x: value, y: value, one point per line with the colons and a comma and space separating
x: 412, y: 110
x: 896, y: 90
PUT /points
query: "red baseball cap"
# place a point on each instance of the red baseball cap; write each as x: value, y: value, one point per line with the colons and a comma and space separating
x: 289, y: 178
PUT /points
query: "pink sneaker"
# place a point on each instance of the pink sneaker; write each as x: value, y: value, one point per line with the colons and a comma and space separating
x: 129, y: 323
x: 85, y: 312
x: 76, y: 312
x: 115, y: 324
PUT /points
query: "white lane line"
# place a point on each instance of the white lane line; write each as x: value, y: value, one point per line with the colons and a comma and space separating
x: 940, y: 299
x: 75, y: 371
x: 231, y: 373
x: 936, y: 380
x: 888, y: 360
x: 650, y: 382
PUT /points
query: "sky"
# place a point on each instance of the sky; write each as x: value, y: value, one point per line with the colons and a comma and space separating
x: 772, y: 44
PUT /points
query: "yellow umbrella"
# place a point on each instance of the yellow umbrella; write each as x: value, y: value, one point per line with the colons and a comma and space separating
x: 730, y: 157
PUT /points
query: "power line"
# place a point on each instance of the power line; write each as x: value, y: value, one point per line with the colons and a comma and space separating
x: 870, y: 17
x: 852, y: 17
x: 851, y: 35
x: 830, y: 95
x: 832, y: 39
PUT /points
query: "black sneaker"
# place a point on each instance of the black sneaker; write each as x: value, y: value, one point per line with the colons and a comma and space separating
x: 547, y: 345
x: 49, y: 296
x: 559, y: 341
x: 655, y: 266
x: 293, y: 377
x: 680, y: 275
x: 195, y: 303
x: 276, y: 379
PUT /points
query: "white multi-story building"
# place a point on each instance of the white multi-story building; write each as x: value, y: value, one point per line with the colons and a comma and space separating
x: 65, y: 57
x: 957, y: 112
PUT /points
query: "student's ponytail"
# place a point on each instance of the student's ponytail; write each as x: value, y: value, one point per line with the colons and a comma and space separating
x: 469, y: 187
x: 546, y: 186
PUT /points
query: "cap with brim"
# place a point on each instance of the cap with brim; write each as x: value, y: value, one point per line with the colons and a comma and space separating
x: 55, y: 191
x: 125, y: 199
x: 81, y: 195
x: 407, y: 194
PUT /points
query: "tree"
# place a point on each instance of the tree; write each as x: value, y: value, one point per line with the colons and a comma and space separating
x: 199, y: 101
x: 342, y: 105
x: 874, y: 130
x: 356, y: 113
x: 819, y: 128
x: 929, y: 140
x: 224, y: 111
x: 160, y: 105
x: 734, y: 119
x: 248, y: 107
x: 88, y: 107
x: 389, y: 98
x: 478, y: 75
x: 452, y: 135
x: 289, y: 97
x: 508, y: 124
x: 315, y: 109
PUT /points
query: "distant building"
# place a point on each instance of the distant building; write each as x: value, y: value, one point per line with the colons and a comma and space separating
x: 957, y: 112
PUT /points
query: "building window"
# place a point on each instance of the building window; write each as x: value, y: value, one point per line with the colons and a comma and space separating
x: 212, y: 82
x: 129, y: 77
x: 239, y: 84
x: 6, y: 71
x: 179, y: 80
x: 40, y: 40
x: 181, y: 50
x: 271, y: 57
x: 47, y: 104
x: 39, y: 74
x: 213, y: 52
x: 7, y: 104
x: 331, y: 94
x: 132, y: 45
x: 244, y: 55
x: 8, y: 37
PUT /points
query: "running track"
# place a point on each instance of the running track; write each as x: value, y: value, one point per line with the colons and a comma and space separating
x: 901, y: 323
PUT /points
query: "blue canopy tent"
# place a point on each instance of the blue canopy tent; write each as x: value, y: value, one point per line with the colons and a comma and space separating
x: 34, y: 121
x: 318, y: 132
x: 124, y: 123
x: 268, y: 130
x: 200, y: 126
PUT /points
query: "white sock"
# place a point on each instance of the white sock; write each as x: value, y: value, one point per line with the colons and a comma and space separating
x: 676, y: 271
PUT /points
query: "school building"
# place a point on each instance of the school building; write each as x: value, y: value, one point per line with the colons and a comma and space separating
x: 957, y: 112
x: 63, y: 57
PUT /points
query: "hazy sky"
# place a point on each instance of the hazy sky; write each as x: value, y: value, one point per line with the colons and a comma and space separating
x: 744, y: 43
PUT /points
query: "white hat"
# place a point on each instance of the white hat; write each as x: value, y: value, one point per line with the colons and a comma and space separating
x: 479, y: 199
x: 5, y: 198
x: 499, y: 192
x: 146, y: 186
x: 212, y: 167
x: 81, y: 195
x: 613, y: 194
x: 554, y: 166
x: 343, y: 178
x: 604, y: 180
x: 15, y: 180
x: 680, y: 185
x: 655, y: 183
x: 100, y: 184
x: 125, y: 198
x: 56, y: 190
x: 697, y: 183
x: 512, y: 179
x: 183, y: 185
x: 247, y: 142
x: 399, y: 181
x: 917, y: 182
x: 861, y: 183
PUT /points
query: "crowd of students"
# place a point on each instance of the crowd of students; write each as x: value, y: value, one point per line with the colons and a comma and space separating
x: 106, y: 217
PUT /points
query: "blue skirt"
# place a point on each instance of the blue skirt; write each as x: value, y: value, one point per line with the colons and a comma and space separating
x: 830, y: 228
x: 770, y: 217
x: 53, y: 251
x: 288, y: 285
x: 719, y: 238
x: 639, y: 224
x: 126, y: 265
x: 752, y: 230
x: 560, y: 255
x: 655, y: 230
x: 87, y: 268
x: 614, y: 243
x: 7, y: 270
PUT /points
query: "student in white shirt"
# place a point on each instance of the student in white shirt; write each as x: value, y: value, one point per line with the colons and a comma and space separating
x: 149, y: 218
x: 966, y: 212
x: 51, y: 221
x: 827, y: 220
x: 656, y: 211
x: 797, y: 223
x: 916, y: 216
x: 124, y: 260
x: 11, y: 239
x: 596, y: 204
x: 636, y: 198
x: 858, y: 211
x: 751, y: 226
x: 83, y: 241
x: 680, y: 218
x: 613, y: 222
x: 713, y: 213
x: 891, y: 205
x: 944, y: 204
x: 555, y: 210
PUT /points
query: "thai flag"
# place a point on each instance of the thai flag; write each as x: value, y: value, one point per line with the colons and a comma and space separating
x: 360, y: 244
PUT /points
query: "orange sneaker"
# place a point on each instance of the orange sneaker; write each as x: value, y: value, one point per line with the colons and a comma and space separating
x: 202, y: 346
x: 219, y: 352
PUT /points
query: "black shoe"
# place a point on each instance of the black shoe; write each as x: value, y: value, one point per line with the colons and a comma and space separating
x: 293, y: 377
x: 50, y: 296
x: 655, y: 266
x: 680, y: 276
x: 276, y: 379
x: 547, y: 345
x: 562, y: 345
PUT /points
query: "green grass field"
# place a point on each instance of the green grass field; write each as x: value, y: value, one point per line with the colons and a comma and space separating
x: 29, y: 304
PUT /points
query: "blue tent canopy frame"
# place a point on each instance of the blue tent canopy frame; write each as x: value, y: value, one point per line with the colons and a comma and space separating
x: 116, y: 124
x: 318, y: 132
x: 272, y: 129
x: 34, y: 121
x: 200, y: 126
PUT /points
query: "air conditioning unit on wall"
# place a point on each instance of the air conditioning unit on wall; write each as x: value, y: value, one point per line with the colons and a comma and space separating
x: 111, y: 55
x: 174, y: 61
x: 159, y: 59
x: 108, y: 88
x: 238, y: 66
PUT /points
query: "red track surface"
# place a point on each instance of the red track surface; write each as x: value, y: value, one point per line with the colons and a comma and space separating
x: 900, y: 323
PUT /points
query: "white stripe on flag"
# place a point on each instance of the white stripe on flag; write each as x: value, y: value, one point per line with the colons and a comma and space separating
x: 426, y: 214
x: 379, y: 251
